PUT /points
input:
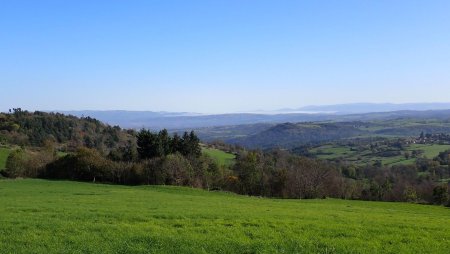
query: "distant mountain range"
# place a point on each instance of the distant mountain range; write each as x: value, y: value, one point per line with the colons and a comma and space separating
x: 373, y: 107
x: 186, y: 120
x: 160, y: 120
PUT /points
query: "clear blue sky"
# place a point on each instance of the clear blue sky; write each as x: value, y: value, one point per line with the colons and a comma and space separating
x: 221, y: 56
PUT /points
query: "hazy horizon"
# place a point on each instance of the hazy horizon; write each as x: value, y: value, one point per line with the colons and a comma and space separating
x: 358, y: 107
x: 221, y: 56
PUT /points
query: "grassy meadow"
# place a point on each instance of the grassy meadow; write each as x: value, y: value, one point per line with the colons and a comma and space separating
x: 222, y: 158
x: 430, y: 150
x: 39, y: 216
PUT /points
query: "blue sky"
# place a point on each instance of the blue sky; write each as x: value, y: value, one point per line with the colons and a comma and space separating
x: 221, y: 56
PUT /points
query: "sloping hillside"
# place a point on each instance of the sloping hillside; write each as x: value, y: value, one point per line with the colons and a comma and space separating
x: 288, y: 135
x: 37, y: 129
x: 39, y: 216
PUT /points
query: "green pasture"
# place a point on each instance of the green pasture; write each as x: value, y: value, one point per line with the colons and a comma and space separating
x: 39, y: 216
x: 222, y: 158
x: 430, y: 150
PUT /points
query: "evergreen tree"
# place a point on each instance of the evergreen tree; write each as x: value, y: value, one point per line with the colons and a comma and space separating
x: 194, y: 145
x: 165, y: 142
x: 184, y: 148
x: 148, y: 145
x: 175, y: 144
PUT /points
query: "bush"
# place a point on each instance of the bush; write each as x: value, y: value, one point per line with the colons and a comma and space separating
x: 85, y: 165
x: 178, y: 170
x: 410, y: 194
x: 440, y: 195
x: 16, y: 164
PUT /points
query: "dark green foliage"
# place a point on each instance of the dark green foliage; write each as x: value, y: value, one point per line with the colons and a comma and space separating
x: 440, y: 195
x: 444, y: 158
x: 148, y: 145
x: 153, y: 172
x: 85, y: 165
x: 127, y: 153
x: 290, y: 135
x: 377, y: 191
x: 174, y: 169
x: 165, y: 142
x: 249, y: 171
x: 281, y: 174
x: 152, y: 145
x: 378, y: 164
x: 176, y: 143
x: 190, y: 145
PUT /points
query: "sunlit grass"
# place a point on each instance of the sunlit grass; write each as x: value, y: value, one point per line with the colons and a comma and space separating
x: 38, y: 216
x: 222, y: 158
x: 430, y: 150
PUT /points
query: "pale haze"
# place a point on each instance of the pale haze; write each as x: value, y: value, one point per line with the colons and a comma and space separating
x: 221, y: 56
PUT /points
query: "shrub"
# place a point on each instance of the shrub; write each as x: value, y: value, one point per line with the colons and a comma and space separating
x: 440, y: 195
x: 178, y: 169
x: 16, y: 164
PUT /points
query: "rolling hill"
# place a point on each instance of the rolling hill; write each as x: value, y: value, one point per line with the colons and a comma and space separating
x: 289, y: 135
x: 38, y: 216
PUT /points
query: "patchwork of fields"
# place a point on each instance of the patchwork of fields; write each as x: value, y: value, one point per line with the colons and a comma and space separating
x: 38, y: 216
x: 366, y: 157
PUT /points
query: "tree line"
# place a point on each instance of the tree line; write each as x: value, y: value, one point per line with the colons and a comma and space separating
x: 147, y: 157
x: 151, y: 145
x: 270, y: 174
x: 34, y: 129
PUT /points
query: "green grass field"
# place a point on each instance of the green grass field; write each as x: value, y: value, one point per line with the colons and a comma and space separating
x: 222, y: 158
x: 430, y: 151
x: 38, y: 216
x: 4, y: 152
